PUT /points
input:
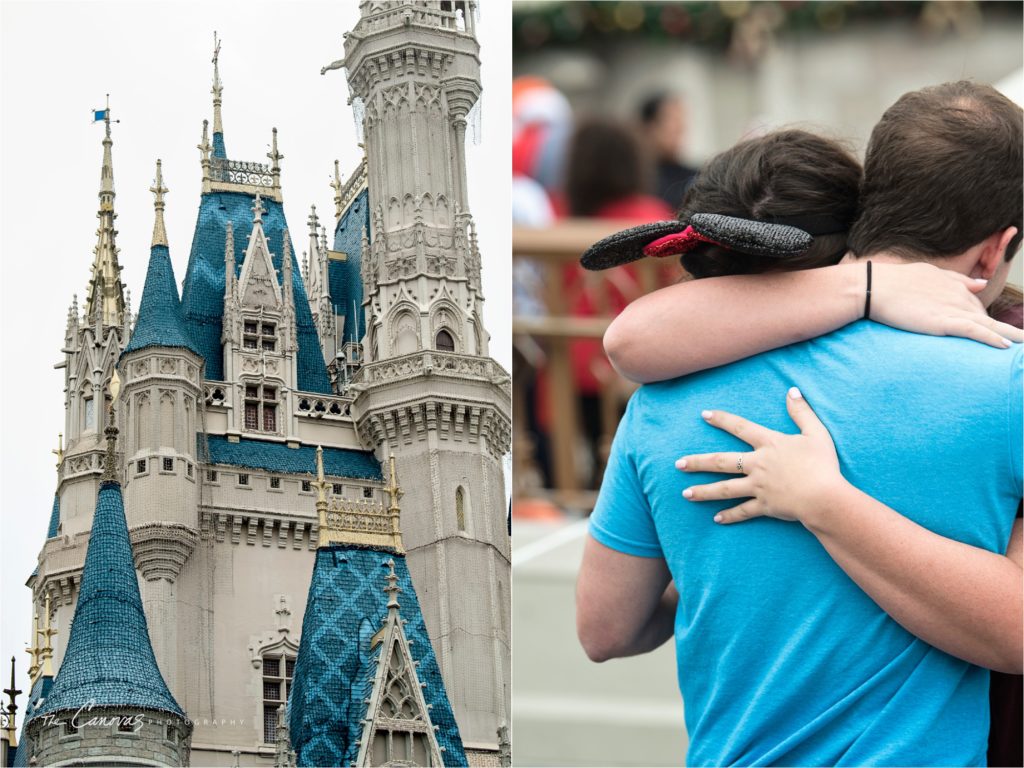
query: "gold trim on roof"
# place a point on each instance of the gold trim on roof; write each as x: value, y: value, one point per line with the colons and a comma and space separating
x: 362, y: 523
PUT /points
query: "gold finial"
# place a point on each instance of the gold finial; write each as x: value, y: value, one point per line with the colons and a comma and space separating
x: 337, y: 186
x: 47, y: 632
x: 33, y: 650
x: 321, y: 498
x: 218, y: 88
x: 59, y: 450
x: 110, y: 461
x: 159, y: 190
x: 12, y: 708
x: 257, y: 210
x: 392, y: 588
x: 394, y: 494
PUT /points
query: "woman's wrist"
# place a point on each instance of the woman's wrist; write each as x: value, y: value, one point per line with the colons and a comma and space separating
x: 825, y: 504
x: 852, y: 285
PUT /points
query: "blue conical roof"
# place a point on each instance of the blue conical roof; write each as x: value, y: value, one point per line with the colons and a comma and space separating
x: 160, y: 322
x: 54, y: 517
x: 109, y: 660
x: 334, y: 670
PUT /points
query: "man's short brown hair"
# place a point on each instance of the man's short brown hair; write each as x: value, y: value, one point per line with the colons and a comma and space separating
x: 943, y: 171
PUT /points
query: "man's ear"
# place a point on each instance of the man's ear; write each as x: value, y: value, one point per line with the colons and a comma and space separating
x: 993, y: 253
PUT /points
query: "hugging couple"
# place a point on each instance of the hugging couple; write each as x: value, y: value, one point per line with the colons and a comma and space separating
x: 817, y: 491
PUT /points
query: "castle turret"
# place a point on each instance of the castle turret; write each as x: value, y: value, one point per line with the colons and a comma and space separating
x: 109, y: 694
x: 367, y: 689
x: 162, y: 372
x: 427, y: 391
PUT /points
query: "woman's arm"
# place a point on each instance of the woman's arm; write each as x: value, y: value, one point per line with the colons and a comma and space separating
x: 700, y: 324
x: 962, y: 599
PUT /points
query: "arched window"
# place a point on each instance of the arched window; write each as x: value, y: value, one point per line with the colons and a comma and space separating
x: 460, y: 508
x: 444, y: 341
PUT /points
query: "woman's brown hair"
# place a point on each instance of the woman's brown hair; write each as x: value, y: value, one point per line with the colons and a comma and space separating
x: 788, y: 173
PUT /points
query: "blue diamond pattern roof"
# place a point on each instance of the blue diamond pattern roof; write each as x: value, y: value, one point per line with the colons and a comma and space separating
x: 109, y: 660
x: 202, y: 298
x: 54, y: 517
x: 333, y: 672
x: 345, y: 281
x: 160, y: 322
x: 278, y: 457
x: 40, y: 690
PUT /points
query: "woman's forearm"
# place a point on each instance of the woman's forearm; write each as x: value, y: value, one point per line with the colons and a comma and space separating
x: 702, y: 324
x: 962, y: 599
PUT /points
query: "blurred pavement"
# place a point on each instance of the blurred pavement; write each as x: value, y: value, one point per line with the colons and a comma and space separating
x: 566, y: 709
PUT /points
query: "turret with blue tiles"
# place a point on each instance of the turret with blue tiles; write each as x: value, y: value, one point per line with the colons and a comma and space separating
x: 427, y: 390
x: 367, y: 689
x: 162, y: 371
x: 108, y: 703
x: 94, y: 338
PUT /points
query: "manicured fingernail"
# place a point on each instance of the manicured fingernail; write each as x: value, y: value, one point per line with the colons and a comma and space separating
x: 1005, y: 342
x: 717, y: 518
x: 681, y: 464
x: 688, y: 493
x: 707, y: 415
x: 795, y: 393
x: 981, y: 280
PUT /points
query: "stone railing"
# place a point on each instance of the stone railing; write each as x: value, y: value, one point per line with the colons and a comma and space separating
x: 366, y: 523
x: 241, y: 172
x: 433, y: 362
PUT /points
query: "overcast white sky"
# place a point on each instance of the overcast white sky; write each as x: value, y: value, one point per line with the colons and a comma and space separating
x: 59, y: 59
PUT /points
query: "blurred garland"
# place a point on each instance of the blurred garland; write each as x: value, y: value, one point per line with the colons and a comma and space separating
x: 537, y: 23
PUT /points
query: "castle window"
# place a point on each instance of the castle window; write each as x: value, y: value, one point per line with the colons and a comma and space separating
x: 277, y: 682
x: 140, y: 466
x: 460, y: 508
x: 126, y: 725
x: 243, y: 479
x: 259, y: 336
x: 275, y: 482
x: 444, y: 341
x: 211, y: 475
x: 188, y: 469
x: 168, y: 465
x: 367, y: 493
x: 90, y: 414
x: 336, y: 489
x: 70, y: 729
x: 307, y: 486
x: 261, y: 408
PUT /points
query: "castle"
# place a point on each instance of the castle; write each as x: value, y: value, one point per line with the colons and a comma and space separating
x: 301, y: 465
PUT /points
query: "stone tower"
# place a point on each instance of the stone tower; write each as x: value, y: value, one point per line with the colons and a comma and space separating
x: 162, y: 373
x: 427, y: 391
x: 93, y: 342
x: 108, y: 703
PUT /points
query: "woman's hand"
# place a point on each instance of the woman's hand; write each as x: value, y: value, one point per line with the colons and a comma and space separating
x: 789, y: 477
x: 923, y: 298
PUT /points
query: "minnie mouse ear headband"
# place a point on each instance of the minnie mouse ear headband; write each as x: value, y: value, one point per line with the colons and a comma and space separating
x: 779, y: 238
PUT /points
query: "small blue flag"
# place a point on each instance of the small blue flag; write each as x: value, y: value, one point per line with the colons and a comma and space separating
x: 99, y: 114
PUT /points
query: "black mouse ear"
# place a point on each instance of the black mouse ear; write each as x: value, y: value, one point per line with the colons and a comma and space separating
x: 757, y: 238
x: 627, y: 245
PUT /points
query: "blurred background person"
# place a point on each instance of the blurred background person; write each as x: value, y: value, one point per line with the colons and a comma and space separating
x: 663, y: 121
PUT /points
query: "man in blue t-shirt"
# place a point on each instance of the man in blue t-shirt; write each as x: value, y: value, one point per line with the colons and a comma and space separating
x: 782, y: 659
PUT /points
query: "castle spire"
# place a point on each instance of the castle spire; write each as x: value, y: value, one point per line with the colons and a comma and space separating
x: 105, y: 301
x: 159, y: 190
x: 12, y: 708
x: 217, y: 91
x: 33, y: 650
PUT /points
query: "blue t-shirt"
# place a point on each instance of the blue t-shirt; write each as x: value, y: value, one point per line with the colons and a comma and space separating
x: 782, y: 659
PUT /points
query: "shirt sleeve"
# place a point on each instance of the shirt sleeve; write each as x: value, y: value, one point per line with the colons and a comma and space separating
x: 622, y: 518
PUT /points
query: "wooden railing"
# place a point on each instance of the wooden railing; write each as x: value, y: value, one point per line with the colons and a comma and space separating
x: 552, y: 250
